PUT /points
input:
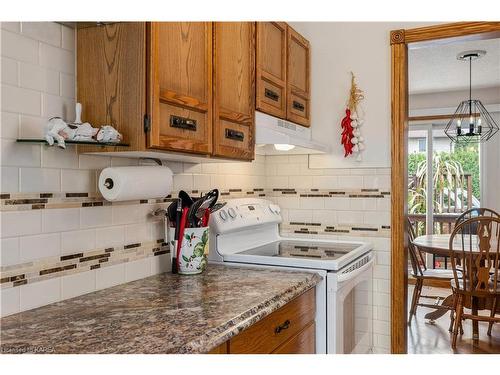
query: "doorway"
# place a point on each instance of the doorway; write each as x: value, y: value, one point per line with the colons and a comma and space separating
x: 400, y: 41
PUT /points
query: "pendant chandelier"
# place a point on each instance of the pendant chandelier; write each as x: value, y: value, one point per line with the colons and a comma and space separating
x: 471, y: 122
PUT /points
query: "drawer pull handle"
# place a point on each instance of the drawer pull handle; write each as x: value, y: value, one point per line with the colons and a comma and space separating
x: 235, y: 135
x: 283, y: 326
x: 182, y: 123
x: 271, y: 95
x: 298, y: 106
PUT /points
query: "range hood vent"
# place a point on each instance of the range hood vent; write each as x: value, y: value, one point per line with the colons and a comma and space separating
x: 274, y: 136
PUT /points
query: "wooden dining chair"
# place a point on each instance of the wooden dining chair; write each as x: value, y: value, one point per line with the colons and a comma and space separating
x: 475, y: 212
x: 475, y: 247
x: 421, y: 273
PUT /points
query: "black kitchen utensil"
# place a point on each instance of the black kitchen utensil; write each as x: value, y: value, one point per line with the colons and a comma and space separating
x: 197, y: 210
x: 178, y: 215
x: 217, y: 207
x: 187, y: 201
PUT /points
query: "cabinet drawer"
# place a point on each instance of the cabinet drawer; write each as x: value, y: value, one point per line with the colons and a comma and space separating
x: 274, y: 330
x: 271, y: 98
x: 183, y: 129
x: 234, y: 140
x: 303, y: 342
x: 298, y: 109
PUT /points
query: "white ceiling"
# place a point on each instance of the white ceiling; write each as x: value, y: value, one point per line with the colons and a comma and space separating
x: 434, y: 68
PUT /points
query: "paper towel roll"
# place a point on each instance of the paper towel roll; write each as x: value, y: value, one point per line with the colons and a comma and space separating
x: 132, y: 183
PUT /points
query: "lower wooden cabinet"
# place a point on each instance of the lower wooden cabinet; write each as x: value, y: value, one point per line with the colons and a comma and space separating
x: 288, y: 330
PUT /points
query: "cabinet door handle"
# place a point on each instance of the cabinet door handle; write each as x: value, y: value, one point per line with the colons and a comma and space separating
x: 271, y: 95
x: 282, y: 326
x: 235, y: 135
x: 298, y: 106
x: 182, y: 123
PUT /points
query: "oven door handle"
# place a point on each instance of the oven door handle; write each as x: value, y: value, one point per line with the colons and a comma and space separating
x: 353, y: 274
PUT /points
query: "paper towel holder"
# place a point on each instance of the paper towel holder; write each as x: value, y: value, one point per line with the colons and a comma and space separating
x: 156, y: 160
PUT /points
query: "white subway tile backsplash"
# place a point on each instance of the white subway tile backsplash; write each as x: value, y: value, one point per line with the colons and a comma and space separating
x: 9, y: 71
x: 9, y: 301
x: 40, y: 293
x: 377, y: 218
x: 78, y: 241
x: 350, y: 182
x: 350, y: 217
x: 92, y: 217
x: 381, y: 272
x: 20, y: 100
x: 326, y: 217
x: 201, y: 182
x: 39, y: 246
x: 9, y: 179
x: 337, y: 203
x: 57, y: 58
x: 137, y: 269
x: 19, y: 47
x: 67, y: 85
x: 277, y: 182
x: 20, y: 223
x: 9, y: 252
x: 48, y: 32
x: 129, y: 214
x: 110, y: 236
x: 300, y: 216
x: 312, y: 202
x: 137, y: 233
x: 325, y: 182
x: 300, y: 182
x: 381, y: 182
x: 32, y: 76
x: 56, y: 157
x: 78, y: 181
x: 32, y: 127
x: 57, y: 106
x: 183, y: 182
x: 60, y: 219
x: 20, y: 155
x: 210, y: 168
x: 34, y: 180
x: 78, y: 284
x: 10, y: 125
x: 160, y: 264
x: 68, y: 38
x: 94, y: 162
x: 106, y: 277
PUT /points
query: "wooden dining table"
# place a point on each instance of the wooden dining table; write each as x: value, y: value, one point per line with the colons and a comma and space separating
x: 438, y: 244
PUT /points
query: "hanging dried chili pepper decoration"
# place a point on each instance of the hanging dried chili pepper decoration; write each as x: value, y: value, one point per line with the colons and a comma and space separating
x: 351, y: 137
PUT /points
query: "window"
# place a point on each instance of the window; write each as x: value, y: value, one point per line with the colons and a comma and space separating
x: 421, y: 144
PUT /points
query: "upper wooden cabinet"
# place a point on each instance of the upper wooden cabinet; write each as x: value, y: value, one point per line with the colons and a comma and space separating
x: 298, y: 76
x: 271, y: 68
x: 234, y: 89
x: 171, y: 86
x: 283, y: 72
x: 180, y: 81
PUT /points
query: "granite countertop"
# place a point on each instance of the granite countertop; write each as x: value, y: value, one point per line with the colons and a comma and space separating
x: 160, y: 314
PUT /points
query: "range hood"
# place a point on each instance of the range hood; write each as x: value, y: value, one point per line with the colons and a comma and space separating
x: 274, y: 136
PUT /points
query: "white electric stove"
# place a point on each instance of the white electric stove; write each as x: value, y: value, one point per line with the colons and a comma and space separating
x: 246, y: 233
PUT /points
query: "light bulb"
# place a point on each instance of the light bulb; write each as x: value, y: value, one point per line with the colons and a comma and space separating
x: 283, y: 147
x: 459, y: 123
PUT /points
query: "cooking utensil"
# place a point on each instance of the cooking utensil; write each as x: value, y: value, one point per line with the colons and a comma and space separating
x: 172, y: 211
x: 182, y: 226
x: 178, y: 216
x: 187, y: 201
x: 217, y: 207
x: 197, y: 210
x: 191, y: 215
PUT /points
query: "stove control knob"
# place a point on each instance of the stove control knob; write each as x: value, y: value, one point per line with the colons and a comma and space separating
x: 223, y: 215
x: 231, y: 212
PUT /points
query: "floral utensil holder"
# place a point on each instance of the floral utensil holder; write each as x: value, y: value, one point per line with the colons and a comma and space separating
x: 194, y: 250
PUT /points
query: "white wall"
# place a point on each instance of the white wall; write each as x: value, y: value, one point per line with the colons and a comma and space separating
x: 336, y: 49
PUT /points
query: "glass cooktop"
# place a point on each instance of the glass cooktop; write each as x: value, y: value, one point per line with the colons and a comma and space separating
x: 300, y: 249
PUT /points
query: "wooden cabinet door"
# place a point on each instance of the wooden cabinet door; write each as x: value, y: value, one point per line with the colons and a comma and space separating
x: 112, y: 80
x: 303, y: 342
x: 298, y: 70
x: 271, y: 68
x: 180, y: 86
x: 234, y: 89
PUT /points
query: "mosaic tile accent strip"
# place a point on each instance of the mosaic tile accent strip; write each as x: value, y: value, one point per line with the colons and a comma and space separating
x: 47, y: 268
x: 36, y: 201
x: 322, y: 229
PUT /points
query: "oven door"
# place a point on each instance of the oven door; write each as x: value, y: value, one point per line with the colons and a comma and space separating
x: 350, y: 308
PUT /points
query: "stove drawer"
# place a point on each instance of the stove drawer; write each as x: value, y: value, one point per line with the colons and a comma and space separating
x: 268, y: 334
